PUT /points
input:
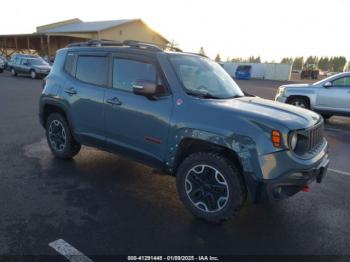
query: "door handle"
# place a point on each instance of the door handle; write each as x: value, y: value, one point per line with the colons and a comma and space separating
x: 114, y: 101
x: 71, y: 91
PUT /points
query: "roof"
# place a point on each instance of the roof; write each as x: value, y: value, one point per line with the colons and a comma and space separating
x: 79, y: 27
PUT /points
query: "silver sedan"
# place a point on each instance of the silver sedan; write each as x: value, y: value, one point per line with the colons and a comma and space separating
x: 330, y: 96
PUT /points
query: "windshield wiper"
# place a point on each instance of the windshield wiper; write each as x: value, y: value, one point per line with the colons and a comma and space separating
x: 203, y: 95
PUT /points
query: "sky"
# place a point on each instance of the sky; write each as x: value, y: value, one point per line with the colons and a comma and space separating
x: 271, y: 29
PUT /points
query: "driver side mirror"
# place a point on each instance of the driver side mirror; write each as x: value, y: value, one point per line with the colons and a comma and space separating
x: 25, y: 63
x: 328, y: 84
x: 146, y: 88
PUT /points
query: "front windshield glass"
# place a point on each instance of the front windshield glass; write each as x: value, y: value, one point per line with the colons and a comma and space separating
x: 37, y: 62
x: 203, y: 77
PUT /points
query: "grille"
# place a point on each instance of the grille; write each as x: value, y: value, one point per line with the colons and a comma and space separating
x: 316, y: 135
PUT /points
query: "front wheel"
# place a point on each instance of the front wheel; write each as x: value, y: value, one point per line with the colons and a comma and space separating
x: 59, y: 137
x: 299, y: 102
x: 33, y: 74
x: 210, y: 186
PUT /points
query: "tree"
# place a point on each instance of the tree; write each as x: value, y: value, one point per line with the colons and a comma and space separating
x: 338, y: 63
x: 253, y: 59
x: 323, y: 64
x: 218, y: 58
x: 298, y: 63
x: 311, y: 60
x: 172, y: 46
x: 201, y: 51
x: 287, y: 60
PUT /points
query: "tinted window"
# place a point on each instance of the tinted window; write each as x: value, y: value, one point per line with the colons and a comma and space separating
x: 92, y: 69
x: 125, y: 72
x: 344, y: 81
x: 69, y: 63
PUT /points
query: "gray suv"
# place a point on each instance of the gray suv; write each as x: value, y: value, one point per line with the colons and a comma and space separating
x: 184, y: 114
x: 330, y: 96
x: 31, y: 65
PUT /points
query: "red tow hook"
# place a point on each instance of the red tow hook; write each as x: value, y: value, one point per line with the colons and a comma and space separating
x: 306, y: 189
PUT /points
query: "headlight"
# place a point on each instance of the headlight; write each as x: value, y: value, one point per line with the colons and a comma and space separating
x: 293, y: 140
x: 281, y: 90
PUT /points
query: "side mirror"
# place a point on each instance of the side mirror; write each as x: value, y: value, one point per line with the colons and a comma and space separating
x: 25, y: 63
x: 145, y: 88
x: 328, y: 84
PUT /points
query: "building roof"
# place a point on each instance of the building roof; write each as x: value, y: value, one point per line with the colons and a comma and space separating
x: 80, y: 26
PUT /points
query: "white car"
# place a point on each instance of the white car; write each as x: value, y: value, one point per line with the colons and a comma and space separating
x: 330, y: 96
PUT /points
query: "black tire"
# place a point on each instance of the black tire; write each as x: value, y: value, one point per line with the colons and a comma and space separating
x: 66, y: 147
x: 300, y: 102
x: 1, y: 70
x: 13, y: 72
x: 33, y: 74
x: 325, y: 116
x: 235, y: 193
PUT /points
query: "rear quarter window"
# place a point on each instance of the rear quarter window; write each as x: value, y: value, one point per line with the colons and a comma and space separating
x: 92, y: 70
x: 69, y: 64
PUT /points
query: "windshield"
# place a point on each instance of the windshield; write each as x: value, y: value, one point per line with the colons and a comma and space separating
x: 330, y: 78
x: 37, y: 62
x: 203, y: 77
x: 243, y: 68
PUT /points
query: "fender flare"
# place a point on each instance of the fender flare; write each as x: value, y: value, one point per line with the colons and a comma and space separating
x: 243, y: 146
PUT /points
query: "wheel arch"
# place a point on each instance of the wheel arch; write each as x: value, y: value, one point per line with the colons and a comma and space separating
x: 188, y: 146
x: 49, y: 106
x: 305, y: 97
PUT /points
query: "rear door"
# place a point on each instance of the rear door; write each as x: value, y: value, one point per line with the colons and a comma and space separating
x: 134, y: 123
x: 337, y: 97
x: 84, y: 90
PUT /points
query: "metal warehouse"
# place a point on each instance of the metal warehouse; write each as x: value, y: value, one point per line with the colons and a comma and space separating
x: 270, y: 71
x: 48, y: 38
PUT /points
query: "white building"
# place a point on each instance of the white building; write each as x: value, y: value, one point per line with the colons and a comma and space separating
x: 270, y: 71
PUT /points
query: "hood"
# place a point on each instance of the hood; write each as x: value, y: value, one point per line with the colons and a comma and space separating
x: 291, y: 117
x: 297, y: 85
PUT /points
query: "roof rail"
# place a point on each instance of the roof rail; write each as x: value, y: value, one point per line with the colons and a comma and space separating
x: 97, y: 43
x: 130, y: 43
x: 142, y: 45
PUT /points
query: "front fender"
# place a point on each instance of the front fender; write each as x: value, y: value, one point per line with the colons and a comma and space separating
x: 243, y: 146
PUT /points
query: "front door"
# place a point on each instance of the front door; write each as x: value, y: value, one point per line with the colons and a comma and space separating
x: 337, y: 97
x: 136, y: 124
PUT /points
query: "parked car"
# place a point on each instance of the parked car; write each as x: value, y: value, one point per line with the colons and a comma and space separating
x: 184, y: 114
x: 2, y: 65
x: 31, y: 65
x: 243, y: 72
x: 330, y: 96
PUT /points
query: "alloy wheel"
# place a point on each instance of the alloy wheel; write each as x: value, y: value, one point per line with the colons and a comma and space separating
x: 57, y: 135
x: 206, y: 188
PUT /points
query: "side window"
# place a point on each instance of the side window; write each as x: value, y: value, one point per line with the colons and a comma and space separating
x: 126, y: 71
x: 344, y: 81
x: 69, y: 63
x: 92, y: 69
x: 24, y: 61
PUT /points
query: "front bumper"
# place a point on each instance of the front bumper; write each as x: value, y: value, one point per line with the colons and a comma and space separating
x: 283, y: 174
x: 280, y: 98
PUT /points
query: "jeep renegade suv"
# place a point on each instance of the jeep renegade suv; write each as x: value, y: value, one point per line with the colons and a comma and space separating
x: 182, y: 113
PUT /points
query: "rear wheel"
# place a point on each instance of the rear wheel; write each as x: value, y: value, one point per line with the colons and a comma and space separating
x: 210, y: 186
x: 299, y: 102
x: 59, y: 137
x: 13, y: 72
